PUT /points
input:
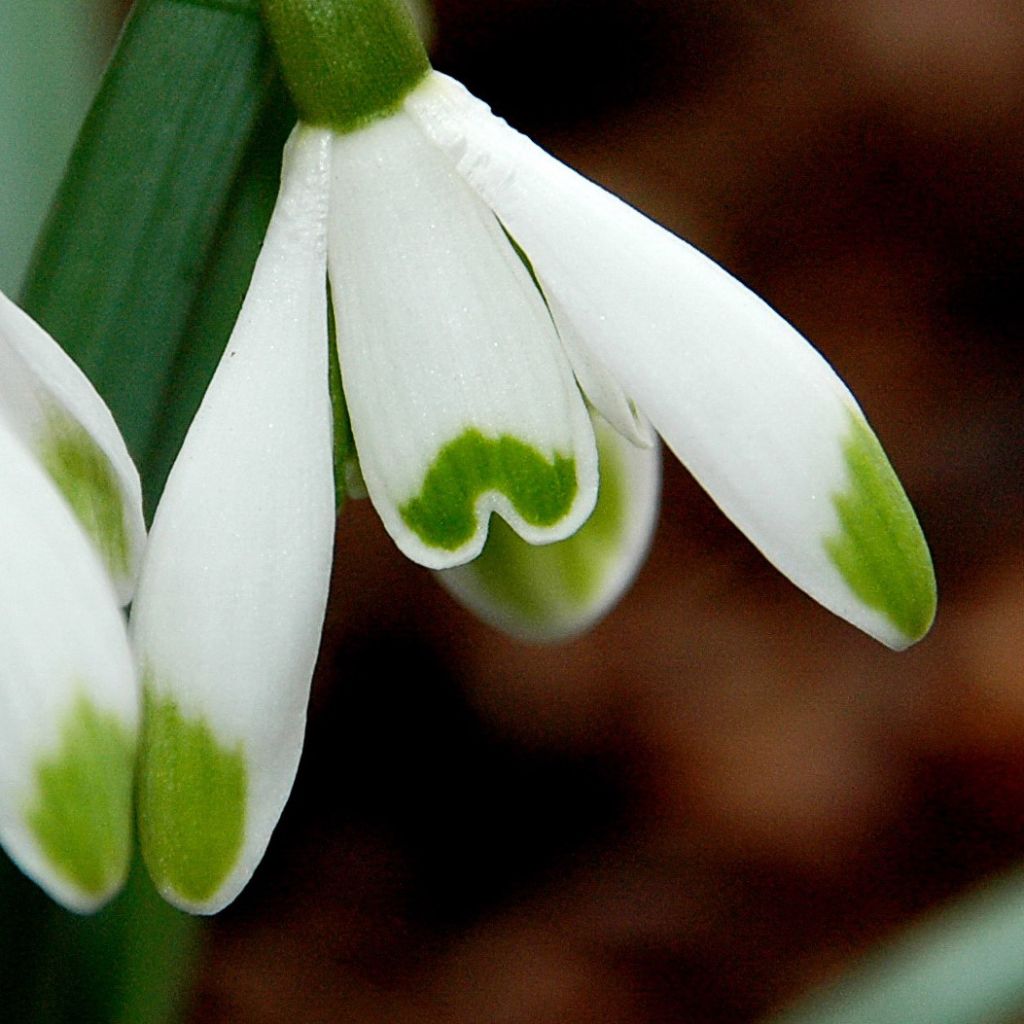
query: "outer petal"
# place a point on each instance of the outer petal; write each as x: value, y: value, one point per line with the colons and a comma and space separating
x: 460, y: 397
x: 231, y: 600
x: 68, y: 696
x: 754, y: 412
x: 50, y: 404
x: 554, y: 592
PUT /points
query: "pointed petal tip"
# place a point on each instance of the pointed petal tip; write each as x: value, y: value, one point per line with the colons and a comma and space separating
x: 879, y: 549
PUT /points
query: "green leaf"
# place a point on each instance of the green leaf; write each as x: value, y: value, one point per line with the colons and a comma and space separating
x: 51, y: 55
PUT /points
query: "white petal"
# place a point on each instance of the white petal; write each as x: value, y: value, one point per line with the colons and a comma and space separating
x: 460, y: 398
x: 598, y: 384
x: 68, y: 695
x: 551, y: 593
x: 51, y: 405
x: 754, y: 412
x: 231, y: 600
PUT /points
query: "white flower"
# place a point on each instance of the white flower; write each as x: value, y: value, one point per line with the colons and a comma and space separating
x: 70, y: 529
x: 477, y: 371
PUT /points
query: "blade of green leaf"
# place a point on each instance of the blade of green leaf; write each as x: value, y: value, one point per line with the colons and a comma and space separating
x: 51, y: 55
x: 121, y: 258
x: 225, y: 280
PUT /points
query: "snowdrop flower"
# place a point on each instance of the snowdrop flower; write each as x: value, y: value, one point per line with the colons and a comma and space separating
x: 507, y: 333
x: 71, y: 534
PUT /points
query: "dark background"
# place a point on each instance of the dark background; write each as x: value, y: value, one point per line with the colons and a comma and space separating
x: 723, y: 795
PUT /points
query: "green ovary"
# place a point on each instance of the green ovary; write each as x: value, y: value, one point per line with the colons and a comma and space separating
x: 85, y: 477
x: 81, y: 814
x: 880, y: 549
x: 191, y: 798
x: 536, y: 581
x: 444, y: 514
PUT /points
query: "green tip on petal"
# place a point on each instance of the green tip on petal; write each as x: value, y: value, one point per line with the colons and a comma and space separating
x: 191, y: 803
x: 347, y: 63
x: 543, y: 584
x: 443, y: 515
x: 880, y: 549
x: 84, y: 475
x: 81, y: 815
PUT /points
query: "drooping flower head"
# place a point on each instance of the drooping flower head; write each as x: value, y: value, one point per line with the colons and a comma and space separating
x: 510, y: 337
x: 71, y: 537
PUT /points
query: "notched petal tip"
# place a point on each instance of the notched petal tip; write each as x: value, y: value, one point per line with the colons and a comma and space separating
x: 551, y: 593
x: 879, y: 549
x: 543, y: 500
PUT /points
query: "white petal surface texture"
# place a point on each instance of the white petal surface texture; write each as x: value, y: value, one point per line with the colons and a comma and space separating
x: 554, y: 592
x: 754, y: 412
x: 461, y: 400
x: 68, y: 695
x: 599, y: 386
x: 231, y: 599
x: 50, y: 404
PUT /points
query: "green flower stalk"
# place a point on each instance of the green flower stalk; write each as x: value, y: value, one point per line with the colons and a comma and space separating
x: 511, y: 340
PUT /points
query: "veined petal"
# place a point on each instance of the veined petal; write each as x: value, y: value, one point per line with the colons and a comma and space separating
x: 234, y: 584
x: 553, y: 592
x: 68, y: 695
x: 754, y: 412
x: 50, y: 404
x: 461, y: 400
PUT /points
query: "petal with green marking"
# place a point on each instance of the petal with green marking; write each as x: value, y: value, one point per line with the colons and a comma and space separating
x: 68, y: 694
x: 192, y: 797
x: 555, y: 591
x: 746, y: 403
x: 461, y: 400
x: 80, y: 813
x: 50, y: 404
x: 233, y: 589
x: 879, y: 548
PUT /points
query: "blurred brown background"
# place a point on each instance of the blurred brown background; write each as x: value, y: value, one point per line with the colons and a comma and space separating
x: 723, y: 795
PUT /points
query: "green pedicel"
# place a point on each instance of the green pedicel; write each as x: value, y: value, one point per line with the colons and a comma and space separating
x: 444, y: 513
x: 880, y: 550
x: 85, y: 477
x: 538, y: 581
x: 81, y: 816
x: 346, y: 63
x: 191, y: 798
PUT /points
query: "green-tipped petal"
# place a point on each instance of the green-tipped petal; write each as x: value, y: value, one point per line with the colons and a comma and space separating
x: 68, y: 695
x: 233, y: 589
x: 878, y: 547
x: 752, y: 410
x: 50, y: 404
x: 555, y: 591
x: 461, y: 400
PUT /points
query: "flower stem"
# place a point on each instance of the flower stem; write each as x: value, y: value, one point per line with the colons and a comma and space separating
x: 347, y: 63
